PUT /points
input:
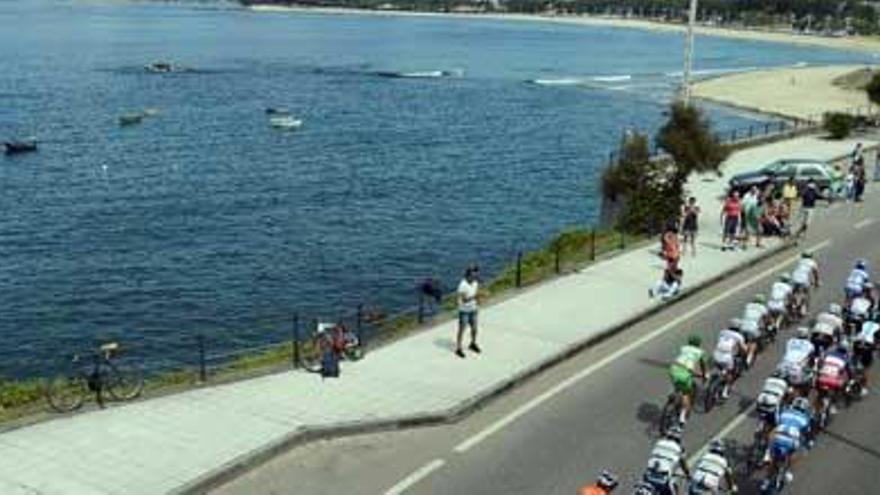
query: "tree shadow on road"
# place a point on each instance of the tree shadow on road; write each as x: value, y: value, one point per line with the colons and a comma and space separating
x: 649, y: 413
x: 852, y: 443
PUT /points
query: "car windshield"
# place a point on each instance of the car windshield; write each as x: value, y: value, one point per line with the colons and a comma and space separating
x: 779, y: 167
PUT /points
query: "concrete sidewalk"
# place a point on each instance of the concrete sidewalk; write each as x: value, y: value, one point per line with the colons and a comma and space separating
x: 187, y: 440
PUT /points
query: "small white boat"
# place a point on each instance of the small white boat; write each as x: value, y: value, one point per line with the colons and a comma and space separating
x: 285, y: 122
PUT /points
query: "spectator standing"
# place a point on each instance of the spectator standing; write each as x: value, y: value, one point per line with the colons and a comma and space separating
x: 753, y: 219
x: 858, y: 155
x: 468, y: 289
x: 808, y: 202
x: 789, y: 194
x: 690, y: 214
x: 859, y: 179
x: 749, y: 202
x: 731, y: 211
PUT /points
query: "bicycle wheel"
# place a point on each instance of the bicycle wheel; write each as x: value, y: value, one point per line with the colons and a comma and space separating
x: 669, y: 415
x: 713, y: 393
x: 66, y: 392
x: 311, y: 359
x: 123, y: 381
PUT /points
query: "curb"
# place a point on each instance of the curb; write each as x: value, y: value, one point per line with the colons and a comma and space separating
x: 306, y: 434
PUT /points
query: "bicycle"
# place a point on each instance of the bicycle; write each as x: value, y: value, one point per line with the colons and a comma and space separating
x: 758, y: 450
x: 67, y: 391
x: 335, y: 337
x: 775, y: 481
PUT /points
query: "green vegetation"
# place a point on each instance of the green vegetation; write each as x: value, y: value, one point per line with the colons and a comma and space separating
x: 652, y: 191
x: 838, y: 124
x: 815, y: 16
x: 872, y: 88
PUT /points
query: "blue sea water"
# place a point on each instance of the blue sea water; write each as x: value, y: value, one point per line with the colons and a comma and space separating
x: 205, y: 219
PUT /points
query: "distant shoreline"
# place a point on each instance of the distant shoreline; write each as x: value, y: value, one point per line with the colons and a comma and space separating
x: 853, y: 43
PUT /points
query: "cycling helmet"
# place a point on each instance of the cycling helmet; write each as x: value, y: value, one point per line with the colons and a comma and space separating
x: 607, y: 480
x: 802, y: 333
x: 760, y: 299
x: 695, y: 340
x: 861, y: 264
x: 806, y: 254
x: 717, y: 447
x: 835, y: 309
x: 801, y: 404
x: 674, y: 433
x: 735, y: 324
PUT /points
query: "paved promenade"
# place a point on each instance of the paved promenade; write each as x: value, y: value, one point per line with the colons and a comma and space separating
x: 171, y: 443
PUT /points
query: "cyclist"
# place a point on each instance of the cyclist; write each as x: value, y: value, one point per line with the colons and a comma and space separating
x: 780, y: 299
x: 771, y: 399
x: 796, y: 364
x: 751, y: 325
x: 792, y: 433
x: 730, y: 348
x: 864, y: 345
x: 606, y: 484
x: 828, y: 327
x: 858, y: 311
x: 834, y: 371
x: 808, y: 265
x: 855, y: 282
x: 691, y: 361
x: 712, y: 469
x: 667, y: 457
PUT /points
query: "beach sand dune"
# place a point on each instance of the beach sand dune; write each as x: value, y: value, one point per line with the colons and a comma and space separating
x: 804, y: 93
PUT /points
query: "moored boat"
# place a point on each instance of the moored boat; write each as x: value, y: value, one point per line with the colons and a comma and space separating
x: 285, y: 122
x: 20, y: 146
x: 131, y: 119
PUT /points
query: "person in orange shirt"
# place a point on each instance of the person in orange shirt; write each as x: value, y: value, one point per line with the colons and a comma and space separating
x: 606, y: 484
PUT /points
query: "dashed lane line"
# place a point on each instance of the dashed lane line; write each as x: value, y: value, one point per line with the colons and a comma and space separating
x: 864, y: 223
x: 416, y: 476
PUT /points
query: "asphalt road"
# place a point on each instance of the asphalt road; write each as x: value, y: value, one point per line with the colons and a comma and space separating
x: 557, y: 431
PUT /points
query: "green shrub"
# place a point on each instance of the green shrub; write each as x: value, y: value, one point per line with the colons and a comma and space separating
x: 838, y: 124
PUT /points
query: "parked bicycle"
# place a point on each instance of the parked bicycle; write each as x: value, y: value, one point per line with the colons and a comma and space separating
x: 336, y: 337
x: 68, y: 390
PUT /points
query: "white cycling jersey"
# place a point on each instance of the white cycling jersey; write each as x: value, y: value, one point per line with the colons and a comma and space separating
x: 772, y: 393
x: 780, y: 291
x: 797, y: 351
x: 666, y: 456
x: 868, y: 332
x: 710, y: 471
x: 754, y: 312
x: 808, y: 263
x: 860, y: 307
x: 729, y: 342
x: 828, y: 324
x: 802, y: 276
x: 856, y: 280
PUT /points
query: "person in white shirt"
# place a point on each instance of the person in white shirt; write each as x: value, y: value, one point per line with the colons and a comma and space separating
x: 467, y: 292
x: 795, y: 364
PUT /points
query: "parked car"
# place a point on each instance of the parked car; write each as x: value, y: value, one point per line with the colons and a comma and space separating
x: 827, y: 178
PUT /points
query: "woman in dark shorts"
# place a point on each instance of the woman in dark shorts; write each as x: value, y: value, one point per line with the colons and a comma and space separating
x: 689, y: 224
x: 730, y: 213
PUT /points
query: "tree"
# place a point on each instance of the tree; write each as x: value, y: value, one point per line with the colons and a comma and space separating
x: 687, y: 136
x: 873, y: 89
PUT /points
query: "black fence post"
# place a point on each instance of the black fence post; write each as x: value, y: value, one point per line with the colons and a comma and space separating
x: 203, y: 372
x: 558, y: 253
x: 421, y: 314
x: 295, y: 349
x: 359, y: 326
x: 622, y: 240
x: 519, y: 269
x: 593, y: 245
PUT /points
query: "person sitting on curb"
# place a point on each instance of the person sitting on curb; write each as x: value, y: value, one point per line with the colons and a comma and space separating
x: 669, y: 285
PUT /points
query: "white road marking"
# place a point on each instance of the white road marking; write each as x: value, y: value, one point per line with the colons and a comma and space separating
x: 416, y: 476
x: 561, y: 386
x: 721, y: 434
x: 864, y: 223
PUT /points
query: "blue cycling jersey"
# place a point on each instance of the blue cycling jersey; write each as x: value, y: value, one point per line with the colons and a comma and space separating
x: 794, y: 419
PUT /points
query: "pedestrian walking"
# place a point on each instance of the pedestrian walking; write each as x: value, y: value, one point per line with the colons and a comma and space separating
x: 468, y: 289
x: 690, y: 214
x: 730, y: 214
x: 789, y: 194
x: 749, y: 201
x: 859, y: 179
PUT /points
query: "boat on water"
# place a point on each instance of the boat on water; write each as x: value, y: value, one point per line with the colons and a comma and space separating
x: 285, y: 122
x: 277, y: 111
x: 20, y: 146
x: 162, y: 67
x: 131, y: 119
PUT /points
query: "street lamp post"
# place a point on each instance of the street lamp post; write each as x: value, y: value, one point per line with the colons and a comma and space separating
x: 688, y: 54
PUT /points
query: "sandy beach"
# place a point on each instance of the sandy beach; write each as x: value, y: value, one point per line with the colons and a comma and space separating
x: 854, y: 43
x: 803, y: 93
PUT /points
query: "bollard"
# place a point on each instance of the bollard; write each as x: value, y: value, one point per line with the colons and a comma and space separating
x: 556, y: 264
x: 593, y: 245
x: 519, y: 269
x: 203, y: 372
x: 294, y: 342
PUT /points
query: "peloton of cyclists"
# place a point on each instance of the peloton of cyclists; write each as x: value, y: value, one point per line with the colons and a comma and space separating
x: 730, y: 351
x: 690, y: 363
